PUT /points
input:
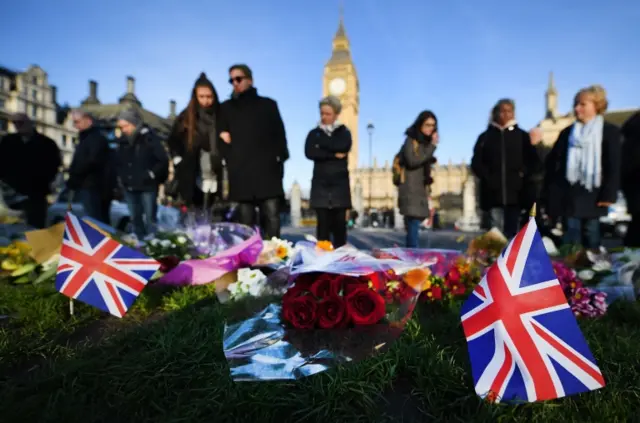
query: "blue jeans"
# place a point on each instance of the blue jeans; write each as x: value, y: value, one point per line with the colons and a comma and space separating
x: 92, y: 204
x: 142, y: 205
x: 412, y: 226
x: 585, y: 232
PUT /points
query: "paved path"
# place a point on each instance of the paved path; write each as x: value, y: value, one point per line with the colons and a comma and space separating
x: 384, y: 238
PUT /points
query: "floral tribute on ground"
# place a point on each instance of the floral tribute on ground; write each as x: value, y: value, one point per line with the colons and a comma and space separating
x: 339, y: 306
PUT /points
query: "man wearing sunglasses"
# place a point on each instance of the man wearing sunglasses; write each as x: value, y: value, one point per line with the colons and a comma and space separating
x: 255, y: 151
x: 29, y: 163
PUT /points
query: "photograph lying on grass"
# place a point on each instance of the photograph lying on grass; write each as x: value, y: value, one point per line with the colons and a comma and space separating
x: 319, y: 332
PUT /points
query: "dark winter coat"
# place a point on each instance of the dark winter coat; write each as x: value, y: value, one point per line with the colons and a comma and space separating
x: 505, y: 161
x: 142, y: 164
x: 412, y: 193
x: 88, y: 168
x: 564, y: 200
x: 258, y: 149
x: 330, y: 184
x: 188, y: 169
x: 630, y: 173
x: 29, y: 167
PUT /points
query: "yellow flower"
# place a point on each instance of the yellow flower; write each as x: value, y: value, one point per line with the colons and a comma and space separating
x: 281, y: 252
x: 324, y: 245
x: 22, y: 246
x: 418, y: 279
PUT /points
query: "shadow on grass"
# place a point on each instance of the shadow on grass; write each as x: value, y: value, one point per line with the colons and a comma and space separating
x: 173, y: 369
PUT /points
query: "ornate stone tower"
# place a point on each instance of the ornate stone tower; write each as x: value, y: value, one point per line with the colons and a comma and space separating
x: 551, y: 99
x: 340, y: 79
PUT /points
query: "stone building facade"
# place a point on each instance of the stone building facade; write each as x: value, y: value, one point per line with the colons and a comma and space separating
x: 30, y: 92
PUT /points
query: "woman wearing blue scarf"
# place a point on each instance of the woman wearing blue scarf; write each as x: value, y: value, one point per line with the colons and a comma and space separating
x: 582, y: 175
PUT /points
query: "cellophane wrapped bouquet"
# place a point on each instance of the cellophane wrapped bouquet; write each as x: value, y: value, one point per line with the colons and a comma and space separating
x: 339, y: 306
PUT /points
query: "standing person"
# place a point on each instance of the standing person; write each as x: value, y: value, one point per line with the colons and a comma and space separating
x: 29, y: 163
x: 194, y: 145
x: 88, y: 170
x: 416, y: 153
x: 143, y: 164
x: 328, y: 145
x: 255, y: 152
x: 582, y: 174
x: 630, y: 175
x: 504, y: 160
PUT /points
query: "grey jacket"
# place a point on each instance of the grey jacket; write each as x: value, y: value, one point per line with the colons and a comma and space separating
x: 412, y: 195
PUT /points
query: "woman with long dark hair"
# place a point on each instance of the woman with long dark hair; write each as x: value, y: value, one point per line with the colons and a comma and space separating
x: 194, y: 145
x: 413, y: 168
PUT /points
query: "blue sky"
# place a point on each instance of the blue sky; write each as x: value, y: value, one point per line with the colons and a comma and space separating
x: 455, y: 57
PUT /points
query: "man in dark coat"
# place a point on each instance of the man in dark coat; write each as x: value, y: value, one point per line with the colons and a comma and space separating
x: 255, y: 152
x: 88, y: 170
x: 29, y: 163
x: 504, y: 160
x: 630, y: 176
x: 143, y: 164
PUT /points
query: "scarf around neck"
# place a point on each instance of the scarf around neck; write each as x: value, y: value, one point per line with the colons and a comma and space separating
x: 584, y: 162
x: 329, y: 129
x: 206, y: 128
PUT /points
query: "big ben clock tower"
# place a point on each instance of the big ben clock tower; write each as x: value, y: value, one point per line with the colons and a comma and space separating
x: 340, y: 79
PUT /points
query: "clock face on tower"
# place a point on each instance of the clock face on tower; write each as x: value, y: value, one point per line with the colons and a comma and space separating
x: 337, y: 86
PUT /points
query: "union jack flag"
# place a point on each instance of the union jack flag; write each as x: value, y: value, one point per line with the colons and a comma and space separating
x: 524, y: 342
x: 100, y: 271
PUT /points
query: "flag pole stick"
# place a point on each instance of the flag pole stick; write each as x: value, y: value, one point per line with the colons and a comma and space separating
x: 532, y: 212
x: 69, y: 209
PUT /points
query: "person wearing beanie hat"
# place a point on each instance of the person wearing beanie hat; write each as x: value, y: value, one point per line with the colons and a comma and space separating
x: 142, y: 165
x: 194, y: 145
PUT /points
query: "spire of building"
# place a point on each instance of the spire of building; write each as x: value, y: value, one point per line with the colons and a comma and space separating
x: 340, y: 40
x: 551, y: 88
x: 551, y: 98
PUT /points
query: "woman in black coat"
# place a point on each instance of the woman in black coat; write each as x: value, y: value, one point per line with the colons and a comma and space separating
x: 194, y: 145
x: 328, y: 146
x: 582, y: 174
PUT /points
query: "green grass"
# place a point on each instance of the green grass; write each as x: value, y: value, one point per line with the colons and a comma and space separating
x: 172, y: 369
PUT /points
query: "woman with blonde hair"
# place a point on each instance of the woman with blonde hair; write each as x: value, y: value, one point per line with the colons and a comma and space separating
x: 582, y: 175
x: 328, y: 146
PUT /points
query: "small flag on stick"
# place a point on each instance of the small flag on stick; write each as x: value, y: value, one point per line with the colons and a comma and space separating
x: 100, y: 271
x: 524, y: 342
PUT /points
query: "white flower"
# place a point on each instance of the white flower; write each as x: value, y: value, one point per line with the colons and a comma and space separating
x: 601, y: 266
x: 154, y: 242
x: 130, y: 239
x: 586, y: 274
x: 173, y: 245
x: 187, y: 256
x: 181, y: 239
x: 165, y: 243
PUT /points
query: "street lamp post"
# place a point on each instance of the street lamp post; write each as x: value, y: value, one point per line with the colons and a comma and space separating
x: 370, y: 129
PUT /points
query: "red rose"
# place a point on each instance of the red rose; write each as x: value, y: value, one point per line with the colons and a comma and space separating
x: 294, y: 292
x: 456, y: 288
x: 168, y: 263
x: 326, y: 285
x: 453, y: 276
x: 306, y: 279
x: 301, y: 312
x: 365, y: 307
x: 332, y: 313
x: 350, y: 284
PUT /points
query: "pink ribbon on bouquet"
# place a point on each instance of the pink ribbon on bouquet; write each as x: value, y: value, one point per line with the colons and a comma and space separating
x: 204, y: 271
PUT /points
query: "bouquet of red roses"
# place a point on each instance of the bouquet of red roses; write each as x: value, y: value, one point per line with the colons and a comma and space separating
x: 328, y: 301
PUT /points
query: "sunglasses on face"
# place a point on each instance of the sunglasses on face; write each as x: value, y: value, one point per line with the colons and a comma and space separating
x: 236, y: 79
